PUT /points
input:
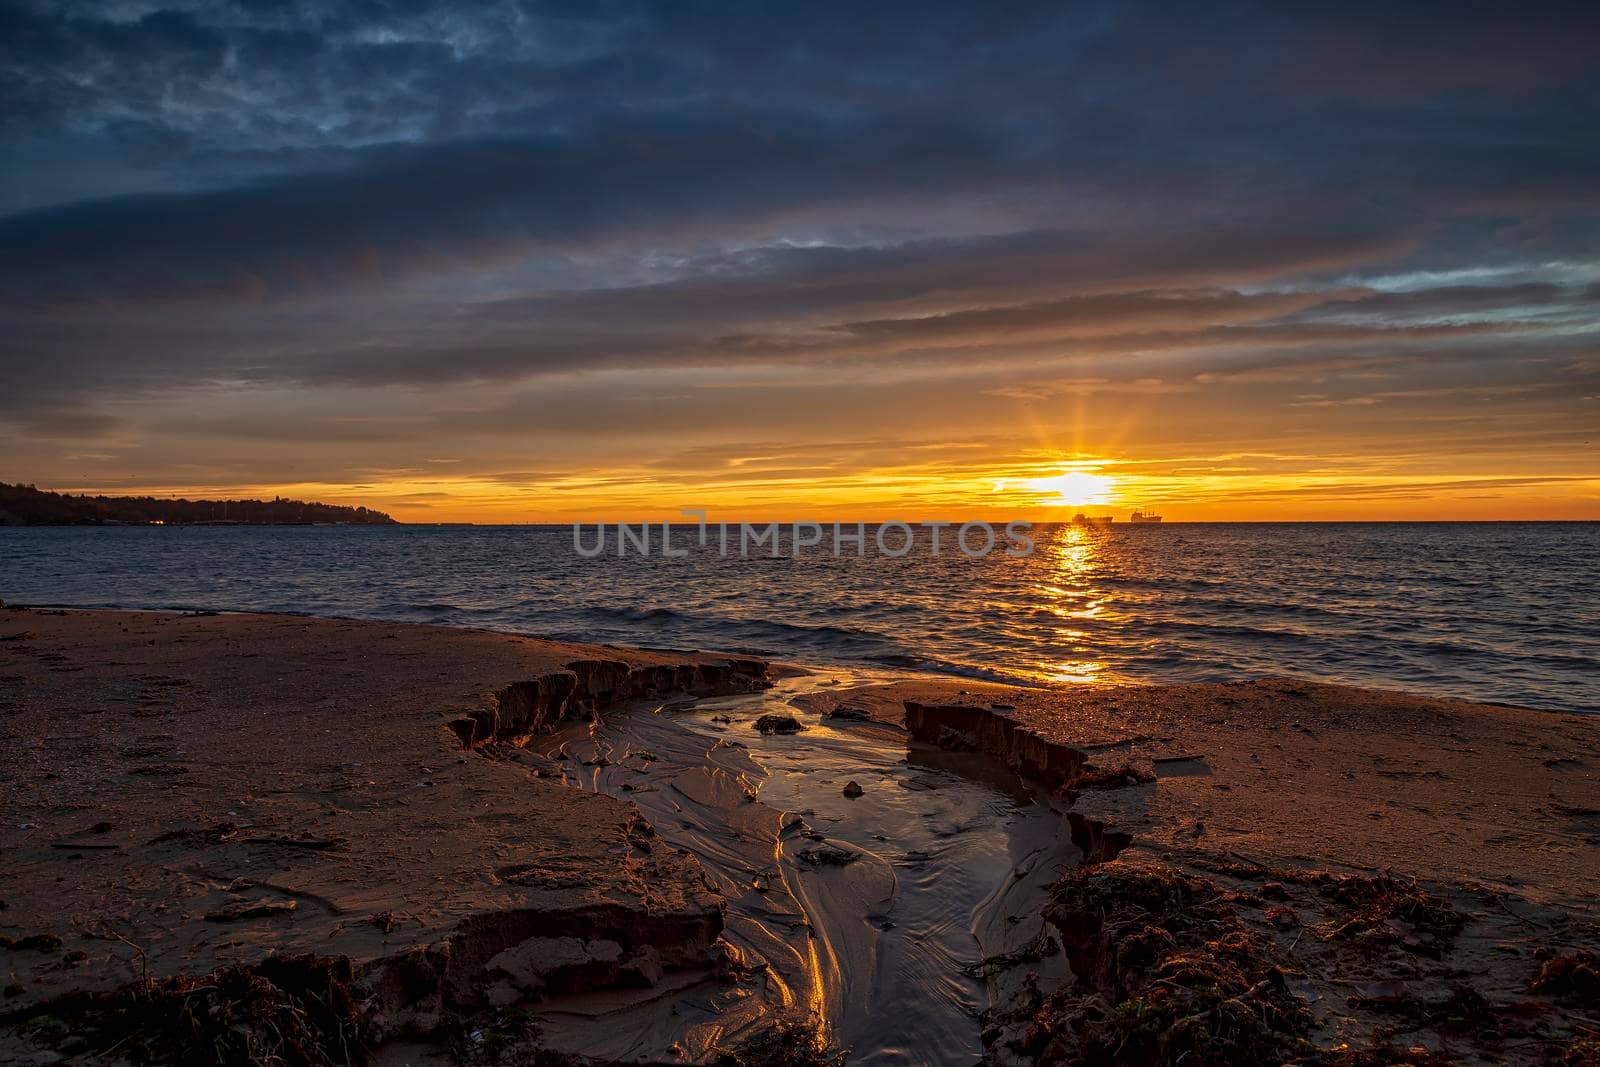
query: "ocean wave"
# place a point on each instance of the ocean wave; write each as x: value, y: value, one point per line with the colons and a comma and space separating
x: 1490, y: 612
x: 717, y: 630
x: 635, y: 614
x: 934, y: 665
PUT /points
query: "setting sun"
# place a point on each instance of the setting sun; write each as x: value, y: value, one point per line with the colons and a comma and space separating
x: 1073, y: 488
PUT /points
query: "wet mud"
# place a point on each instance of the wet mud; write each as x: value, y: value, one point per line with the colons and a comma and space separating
x: 889, y: 921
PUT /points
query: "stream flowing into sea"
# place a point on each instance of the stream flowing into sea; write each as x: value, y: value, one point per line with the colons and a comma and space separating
x: 1499, y: 612
x: 892, y: 917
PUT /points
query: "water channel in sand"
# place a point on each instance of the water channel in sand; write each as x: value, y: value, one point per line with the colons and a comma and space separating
x: 881, y: 917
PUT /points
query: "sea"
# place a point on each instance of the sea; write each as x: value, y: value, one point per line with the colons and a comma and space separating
x: 1496, y: 612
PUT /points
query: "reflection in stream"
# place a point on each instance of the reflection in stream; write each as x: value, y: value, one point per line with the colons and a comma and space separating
x: 871, y: 915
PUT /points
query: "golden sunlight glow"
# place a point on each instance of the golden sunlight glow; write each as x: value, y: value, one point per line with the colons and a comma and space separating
x: 1071, y: 590
x: 955, y: 481
x: 1073, y: 488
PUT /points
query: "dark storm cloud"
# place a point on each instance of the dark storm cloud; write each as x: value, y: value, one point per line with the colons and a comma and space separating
x: 787, y: 307
x: 411, y: 206
x: 820, y: 283
x: 773, y: 303
x: 374, y: 193
x: 383, y: 138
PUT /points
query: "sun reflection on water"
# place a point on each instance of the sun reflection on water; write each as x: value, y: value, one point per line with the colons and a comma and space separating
x: 1069, y: 587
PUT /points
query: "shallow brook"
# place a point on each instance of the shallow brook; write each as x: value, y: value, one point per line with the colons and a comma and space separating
x: 882, y: 917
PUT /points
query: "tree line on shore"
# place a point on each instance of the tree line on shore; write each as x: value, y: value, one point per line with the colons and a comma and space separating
x: 25, y: 505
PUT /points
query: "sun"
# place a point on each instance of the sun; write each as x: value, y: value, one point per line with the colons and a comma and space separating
x: 1073, y: 488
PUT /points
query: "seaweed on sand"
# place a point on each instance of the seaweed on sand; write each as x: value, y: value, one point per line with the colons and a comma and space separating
x: 297, y: 1011
x: 1041, y: 947
x: 496, y: 1036
x: 1386, y: 1056
x: 1581, y: 1053
x: 1092, y: 777
x: 1165, y: 971
x: 1384, y: 910
x: 1464, y: 1012
x: 1575, y: 975
x: 783, y: 1045
x: 1368, y: 911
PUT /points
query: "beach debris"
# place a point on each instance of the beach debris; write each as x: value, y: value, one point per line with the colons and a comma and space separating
x: 784, y: 1045
x: 827, y: 855
x: 254, y: 909
x: 316, y: 843
x: 386, y: 921
x: 1041, y: 947
x: 285, y: 1010
x: 1575, y: 974
x: 853, y: 789
x: 779, y: 724
x: 1166, y: 973
x: 1386, y: 910
x: 216, y: 834
x: 1092, y: 777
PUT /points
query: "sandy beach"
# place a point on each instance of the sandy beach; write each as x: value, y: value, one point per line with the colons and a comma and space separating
x: 329, y: 841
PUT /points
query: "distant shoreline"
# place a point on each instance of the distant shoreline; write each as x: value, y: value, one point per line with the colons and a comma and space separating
x: 26, y: 505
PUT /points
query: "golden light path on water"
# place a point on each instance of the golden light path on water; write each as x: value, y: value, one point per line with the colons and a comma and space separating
x: 1068, y: 588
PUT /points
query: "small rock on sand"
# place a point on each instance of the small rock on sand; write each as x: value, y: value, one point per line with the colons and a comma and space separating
x: 826, y: 855
x: 779, y: 724
x: 853, y: 789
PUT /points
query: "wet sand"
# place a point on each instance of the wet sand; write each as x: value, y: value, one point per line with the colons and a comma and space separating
x: 187, y: 793
x: 882, y: 915
x: 1418, y: 875
x: 524, y: 844
x: 1293, y: 771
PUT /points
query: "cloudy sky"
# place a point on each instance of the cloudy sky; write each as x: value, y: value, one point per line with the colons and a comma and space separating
x: 522, y: 261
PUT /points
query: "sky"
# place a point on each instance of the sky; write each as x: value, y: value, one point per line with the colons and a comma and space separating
x: 519, y: 262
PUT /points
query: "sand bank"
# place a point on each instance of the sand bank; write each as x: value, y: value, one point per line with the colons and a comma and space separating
x: 183, y: 793
x: 1280, y: 870
x: 399, y: 813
